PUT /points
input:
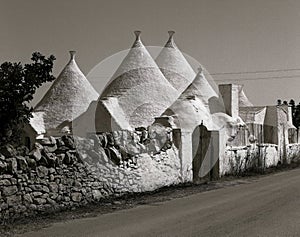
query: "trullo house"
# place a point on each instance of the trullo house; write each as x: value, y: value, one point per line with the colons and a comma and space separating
x: 68, y: 97
x: 137, y: 94
x: 174, y: 65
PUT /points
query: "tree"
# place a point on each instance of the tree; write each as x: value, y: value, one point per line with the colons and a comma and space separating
x: 292, y: 104
x: 296, y: 116
x: 18, y: 84
x: 295, y: 113
x: 279, y: 102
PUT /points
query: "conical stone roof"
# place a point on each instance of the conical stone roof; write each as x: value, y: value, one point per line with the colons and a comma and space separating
x: 68, y: 97
x: 174, y: 65
x: 201, y: 88
x: 141, y: 89
x: 190, y: 109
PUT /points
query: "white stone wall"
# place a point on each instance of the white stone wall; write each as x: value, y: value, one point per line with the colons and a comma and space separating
x: 293, y: 152
x: 149, y: 173
x: 248, y: 158
x: 62, y: 173
x: 269, y: 155
x: 239, y: 159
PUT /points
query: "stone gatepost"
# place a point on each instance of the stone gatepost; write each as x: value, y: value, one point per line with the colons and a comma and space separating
x: 183, y: 141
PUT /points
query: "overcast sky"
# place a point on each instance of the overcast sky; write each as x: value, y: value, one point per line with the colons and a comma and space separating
x: 223, y: 35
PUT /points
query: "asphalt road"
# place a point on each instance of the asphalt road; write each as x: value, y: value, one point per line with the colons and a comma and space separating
x: 269, y: 206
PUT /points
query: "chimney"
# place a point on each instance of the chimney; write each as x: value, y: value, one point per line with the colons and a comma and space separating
x: 137, y: 43
x: 230, y: 96
x: 72, y: 54
x: 170, y: 43
x: 137, y: 35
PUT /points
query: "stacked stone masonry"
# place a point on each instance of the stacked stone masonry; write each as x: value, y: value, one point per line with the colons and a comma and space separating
x: 68, y: 172
x: 64, y: 173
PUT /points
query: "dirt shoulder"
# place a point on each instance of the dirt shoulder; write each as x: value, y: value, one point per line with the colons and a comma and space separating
x: 133, y: 200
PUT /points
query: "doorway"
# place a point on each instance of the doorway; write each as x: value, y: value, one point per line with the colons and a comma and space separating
x: 205, y: 145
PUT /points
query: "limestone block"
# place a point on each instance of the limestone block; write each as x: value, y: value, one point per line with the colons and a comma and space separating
x: 42, y: 171
x: 51, y: 201
x: 5, y: 182
x: 96, y: 195
x: 39, y: 188
x: 13, y: 200
x: 12, y: 165
x: 8, y: 151
x: 39, y: 201
x: 76, y: 197
x: 9, y: 190
x: 50, y: 148
x: 27, y: 199
x: 53, y: 187
x: 36, y: 154
x: 22, y: 163
x: 3, y: 167
x: 36, y: 194
x: 31, y: 162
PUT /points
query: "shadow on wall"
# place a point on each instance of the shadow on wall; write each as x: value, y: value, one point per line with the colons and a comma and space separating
x: 205, y: 147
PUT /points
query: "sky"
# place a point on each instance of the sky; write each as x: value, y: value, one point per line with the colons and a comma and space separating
x: 225, y: 36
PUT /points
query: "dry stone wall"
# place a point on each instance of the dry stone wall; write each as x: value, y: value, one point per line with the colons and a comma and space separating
x: 133, y: 161
x: 293, y: 152
x: 238, y: 159
x: 64, y: 173
x: 249, y: 158
x: 67, y: 172
x: 42, y: 182
x: 257, y: 157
